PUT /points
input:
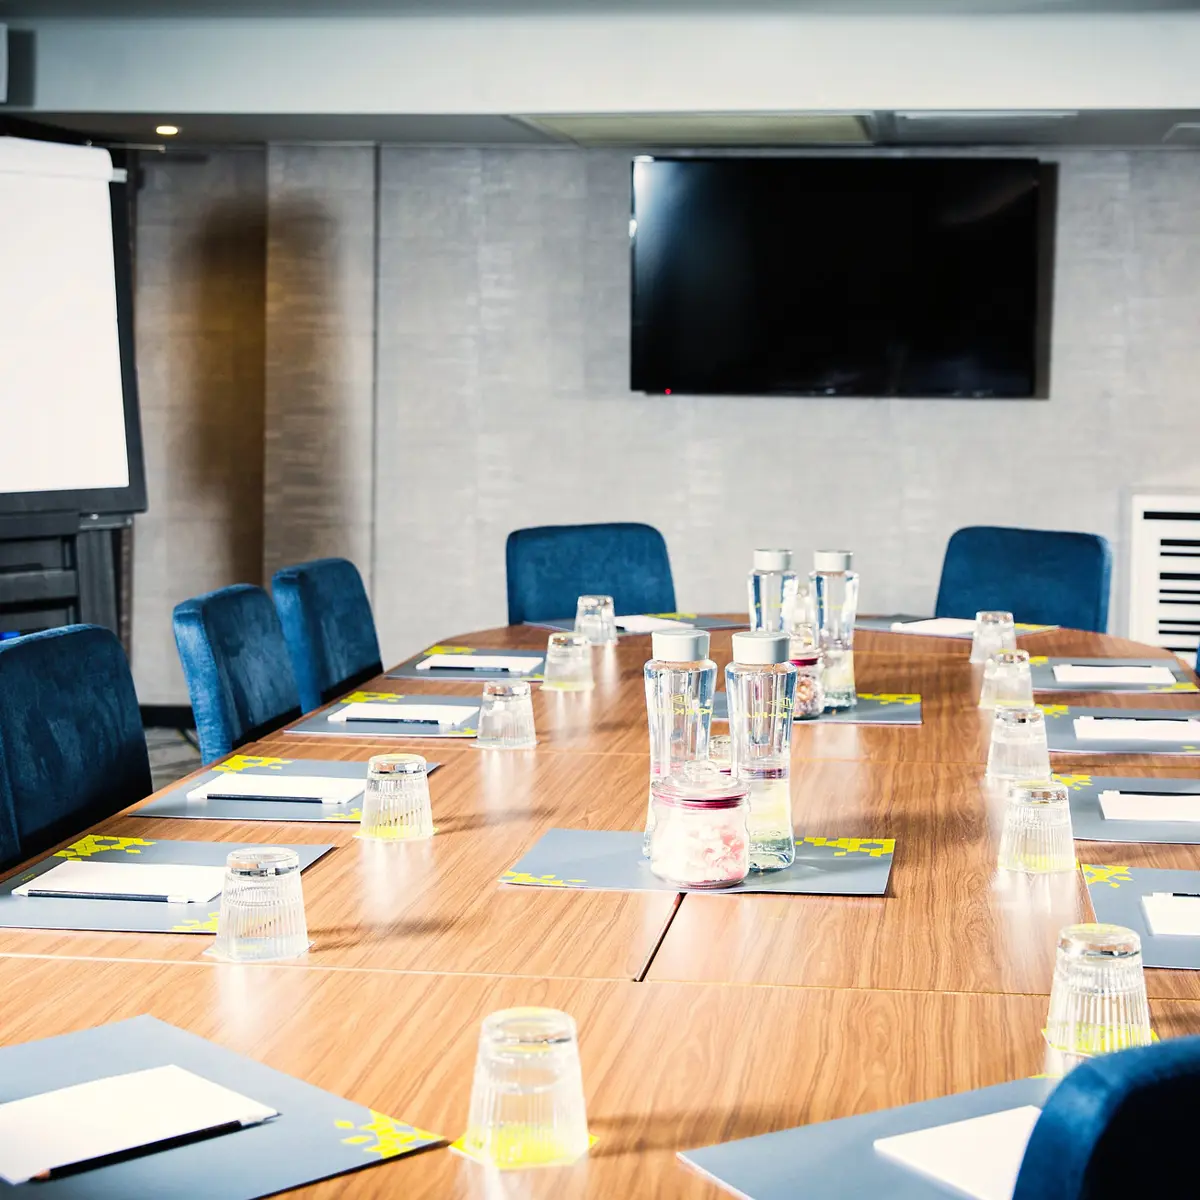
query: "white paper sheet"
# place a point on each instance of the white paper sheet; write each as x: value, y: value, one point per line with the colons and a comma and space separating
x: 170, y: 882
x: 1070, y: 673
x: 979, y: 1157
x: 481, y: 662
x: 1130, y: 729
x: 1172, y: 916
x: 641, y: 624
x: 237, y: 785
x: 1124, y: 806
x: 937, y: 627
x: 74, y: 1125
x: 424, y: 714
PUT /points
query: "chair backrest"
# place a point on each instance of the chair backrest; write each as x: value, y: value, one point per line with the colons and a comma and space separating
x: 72, y: 748
x: 1041, y: 576
x: 328, y: 626
x: 236, y: 665
x: 1119, y: 1125
x: 551, y: 566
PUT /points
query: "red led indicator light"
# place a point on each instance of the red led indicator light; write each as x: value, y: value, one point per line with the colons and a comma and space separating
x: 667, y: 392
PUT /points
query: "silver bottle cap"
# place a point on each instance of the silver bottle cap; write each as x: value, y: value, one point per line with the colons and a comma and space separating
x: 832, y: 560
x: 679, y: 645
x: 772, y: 560
x: 759, y: 648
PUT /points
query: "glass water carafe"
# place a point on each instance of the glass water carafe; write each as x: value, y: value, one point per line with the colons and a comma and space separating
x: 772, y: 590
x: 835, y: 597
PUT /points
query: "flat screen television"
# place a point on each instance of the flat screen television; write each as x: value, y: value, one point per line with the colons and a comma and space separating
x: 837, y: 276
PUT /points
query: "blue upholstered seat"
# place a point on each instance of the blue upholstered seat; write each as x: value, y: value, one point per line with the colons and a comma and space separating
x: 1041, y: 576
x: 328, y: 626
x: 236, y: 665
x: 1118, y: 1126
x: 72, y: 749
x: 551, y: 566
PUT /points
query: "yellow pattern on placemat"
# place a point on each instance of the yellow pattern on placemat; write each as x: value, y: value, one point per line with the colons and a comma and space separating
x: 675, y: 616
x: 874, y: 847
x: 1114, y: 875
x: 246, y: 762
x: 1074, y: 782
x: 1038, y: 660
x: 195, y: 925
x: 1173, y: 687
x: 450, y: 650
x: 98, y: 844
x: 1054, y: 710
x: 516, y: 1163
x: 372, y: 698
x: 550, y: 880
x: 892, y: 697
x: 385, y: 1136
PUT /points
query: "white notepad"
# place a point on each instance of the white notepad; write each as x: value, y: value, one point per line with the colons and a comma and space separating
x: 74, y: 1125
x: 240, y: 786
x: 1172, y: 916
x: 1157, y: 806
x: 937, y: 627
x: 421, y: 714
x: 480, y: 662
x: 1130, y: 729
x: 1070, y: 673
x: 979, y: 1157
x: 170, y: 882
x: 642, y: 624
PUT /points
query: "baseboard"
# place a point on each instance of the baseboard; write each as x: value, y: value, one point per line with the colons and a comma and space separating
x: 167, y: 716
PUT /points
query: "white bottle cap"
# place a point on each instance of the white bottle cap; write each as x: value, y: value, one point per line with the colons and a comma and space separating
x: 759, y: 648
x: 679, y: 645
x: 832, y: 560
x: 772, y: 560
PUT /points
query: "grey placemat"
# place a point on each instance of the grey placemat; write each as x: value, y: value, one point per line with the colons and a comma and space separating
x: 1042, y: 670
x: 408, y: 668
x: 319, y: 724
x: 1089, y: 824
x: 884, y: 625
x: 695, y: 620
x: 316, y: 1135
x: 1061, y: 739
x: 837, y: 1160
x: 1117, y: 891
x: 127, y: 916
x: 612, y: 861
x: 873, y: 708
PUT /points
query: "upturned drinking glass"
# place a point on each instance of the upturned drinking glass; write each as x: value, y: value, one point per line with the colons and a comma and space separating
x: 1006, y: 679
x: 261, y: 918
x: 1018, y: 748
x: 396, y: 805
x: 527, y: 1105
x: 994, y: 631
x: 1037, y: 837
x: 596, y: 619
x: 720, y: 752
x: 1098, y: 998
x: 506, y: 716
x: 568, y: 666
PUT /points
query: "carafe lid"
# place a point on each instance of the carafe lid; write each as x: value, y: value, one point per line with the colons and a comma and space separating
x: 772, y: 560
x: 679, y: 645
x: 832, y: 560
x: 759, y: 648
x: 700, y: 785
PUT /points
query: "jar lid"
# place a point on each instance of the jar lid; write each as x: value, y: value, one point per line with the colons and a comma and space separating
x: 679, y: 645
x: 760, y: 648
x: 700, y: 785
x: 772, y: 560
x: 832, y: 560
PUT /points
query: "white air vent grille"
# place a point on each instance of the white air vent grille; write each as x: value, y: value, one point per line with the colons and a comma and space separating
x: 1164, y: 572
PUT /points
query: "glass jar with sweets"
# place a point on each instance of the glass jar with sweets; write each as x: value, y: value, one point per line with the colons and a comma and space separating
x: 700, y: 837
x: 810, y: 693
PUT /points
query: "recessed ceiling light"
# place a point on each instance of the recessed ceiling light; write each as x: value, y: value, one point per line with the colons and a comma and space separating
x: 166, y: 130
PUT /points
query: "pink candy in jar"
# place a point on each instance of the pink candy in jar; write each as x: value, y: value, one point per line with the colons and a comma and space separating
x: 700, y: 837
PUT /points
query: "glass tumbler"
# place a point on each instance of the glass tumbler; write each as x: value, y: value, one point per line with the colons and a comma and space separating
x: 1037, y: 836
x: 596, y: 620
x: 506, y: 716
x: 1018, y: 749
x: 396, y: 801
x: 568, y: 665
x: 994, y: 631
x: 1006, y: 679
x: 720, y: 753
x: 262, y: 907
x: 527, y: 1106
x: 1098, y: 998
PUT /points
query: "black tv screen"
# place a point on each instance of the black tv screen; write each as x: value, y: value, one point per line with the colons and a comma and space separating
x: 836, y: 276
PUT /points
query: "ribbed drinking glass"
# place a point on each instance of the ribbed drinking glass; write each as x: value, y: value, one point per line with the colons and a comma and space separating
x: 596, y: 619
x: 1006, y: 679
x: 527, y: 1105
x: 262, y: 907
x: 568, y: 663
x: 396, y: 804
x: 1018, y: 748
x: 720, y: 752
x: 994, y: 631
x: 506, y: 716
x: 1037, y: 835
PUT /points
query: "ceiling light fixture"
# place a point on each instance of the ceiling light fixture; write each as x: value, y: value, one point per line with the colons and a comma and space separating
x: 166, y: 130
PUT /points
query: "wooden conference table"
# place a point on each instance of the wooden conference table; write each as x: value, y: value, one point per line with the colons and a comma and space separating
x: 702, y: 1017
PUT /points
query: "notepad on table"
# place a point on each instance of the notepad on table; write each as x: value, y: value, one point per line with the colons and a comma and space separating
x: 1071, y: 673
x: 1130, y: 729
x: 1169, y: 915
x: 75, y: 1125
x: 240, y: 786
x: 406, y: 714
x: 643, y: 624
x: 480, y: 662
x: 173, y: 883
x: 937, y: 627
x: 979, y: 1157
x: 1150, y: 806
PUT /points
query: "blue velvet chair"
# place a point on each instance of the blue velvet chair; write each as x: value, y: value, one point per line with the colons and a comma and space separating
x: 1041, y: 576
x: 72, y: 749
x: 328, y: 626
x: 236, y: 665
x: 551, y: 566
x: 1118, y: 1126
